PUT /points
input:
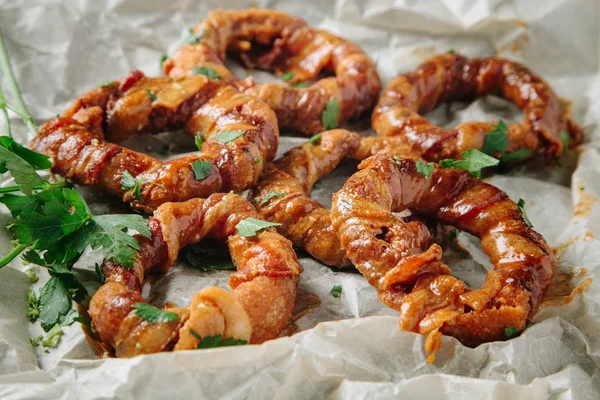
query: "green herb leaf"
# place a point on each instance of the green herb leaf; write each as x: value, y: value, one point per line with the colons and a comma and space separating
x: 151, y: 95
x: 33, y: 277
x: 107, y: 84
x: 153, y: 314
x: 33, y: 306
x: 23, y: 173
x: 473, y: 162
x: 67, y: 320
x: 188, y: 36
x: 53, y: 337
x: 206, y: 71
x: 128, y: 182
x: 20, y: 204
x: 270, y: 195
x: 315, y: 139
x: 109, y: 232
x: 228, y: 136
x: 329, y: 117
x: 300, y: 85
x: 99, y: 272
x: 199, y: 140
x: 496, y: 140
x: 521, y: 204
x: 424, y: 169
x: 566, y: 139
x: 336, y: 291
x: 287, y: 76
x: 517, y: 155
x: 451, y: 51
x: 453, y: 234
x: 510, y: 332
x: 208, y: 257
x: 54, y: 301
x: 163, y: 58
x: 36, y: 160
x: 256, y: 160
x: 250, y: 226
x: 201, y: 169
x: 216, y: 341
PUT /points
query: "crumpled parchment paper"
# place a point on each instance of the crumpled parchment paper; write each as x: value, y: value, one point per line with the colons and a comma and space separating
x: 61, y: 49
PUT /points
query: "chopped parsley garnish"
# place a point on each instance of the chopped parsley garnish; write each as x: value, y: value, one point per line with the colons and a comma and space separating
x: 517, y: 155
x: 451, y: 51
x: 128, y: 182
x: 33, y: 277
x: 199, y: 140
x: 250, y: 226
x: 287, y: 76
x: 99, y: 273
x: 163, y: 58
x: 566, y: 139
x: 107, y: 84
x: 271, y: 195
x: 329, y: 117
x: 473, y: 162
x: 33, y: 306
x: 336, y: 291
x: 228, y: 136
x: 151, y: 95
x: 453, y: 234
x: 152, y: 314
x: 53, y: 337
x: 424, y: 169
x: 256, y: 160
x: 300, y: 85
x: 521, y: 204
x: 511, y: 332
x: 201, y: 169
x: 207, y: 71
x: 315, y: 139
x: 188, y: 36
x: 496, y: 140
x: 216, y: 341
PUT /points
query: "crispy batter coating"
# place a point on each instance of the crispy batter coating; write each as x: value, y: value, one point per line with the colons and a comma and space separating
x: 411, y: 278
x: 452, y: 77
x: 282, y: 193
x: 127, y: 107
x: 275, y: 41
x: 264, y: 286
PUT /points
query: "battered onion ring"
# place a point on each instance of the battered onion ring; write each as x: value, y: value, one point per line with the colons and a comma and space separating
x: 447, y: 78
x: 282, y: 193
x: 127, y: 107
x: 411, y: 279
x: 293, y: 47
x: 264, y: 286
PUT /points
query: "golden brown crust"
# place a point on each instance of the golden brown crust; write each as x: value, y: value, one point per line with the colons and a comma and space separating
x: 292, y: 47
x: 446, y: 78
x: 264, y: 286
x: 196, y: 104
x: 395, y: 257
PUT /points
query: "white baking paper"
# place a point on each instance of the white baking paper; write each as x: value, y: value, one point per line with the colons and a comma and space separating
x: 349, y: 347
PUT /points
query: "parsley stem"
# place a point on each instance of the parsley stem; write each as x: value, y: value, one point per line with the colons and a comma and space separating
x: 11, y: 256
x: 3, y: 108
x: 44, y: 186
x: 7, y: 71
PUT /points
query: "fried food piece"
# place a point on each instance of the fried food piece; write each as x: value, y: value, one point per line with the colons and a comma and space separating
x: 452, y: 77
x: 282, y: 193
x: 136, y: 104
x: 275, y: 41
x: 264, y: 286
x: 411, y: 278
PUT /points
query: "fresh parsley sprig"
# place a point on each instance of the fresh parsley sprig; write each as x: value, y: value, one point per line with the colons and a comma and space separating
x: 473, y: 161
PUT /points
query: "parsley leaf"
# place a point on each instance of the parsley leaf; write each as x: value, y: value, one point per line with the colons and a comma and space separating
x: 206, y: 71
x: 315, y: 139
x: 510, y: 333
x: 98, y: 269
x: 151, y: 95
x: 566, y: 139
x: 33, y: 277
x: 208, y: 257
x: 256, y: 160
x: 336, y: 291
x: 33, y: 306
x: 228, y: 136
x: 128, y: 182
x: 424, y: 169
x: 300, y: 85
x: 201, y: 169
x: 109, y: 232
x: 53, y: 337
x: 163, y: 58
x: 250, y: 226
x: 107, y: 84
x: 153, y: 314
x: 473, y: 162
x: 188, y: 36
x: 54, y: 301
x: 287, y: 76
x: 199, y: 140
x: 22, y: 171
x: 270, y: 195
x: 36, y: 160
x: 521, y: 204
x: 451, y: 51
x: 216, y: 341
x: 329, y: 117
x: 496, y: 140
x: 517, y: 155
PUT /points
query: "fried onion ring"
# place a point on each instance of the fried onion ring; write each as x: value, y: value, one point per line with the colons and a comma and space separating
x: 258, y: 308
x: 452, y: 77
x: 138, y: 104
x: 275, y: 41
x: 411, y: 278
